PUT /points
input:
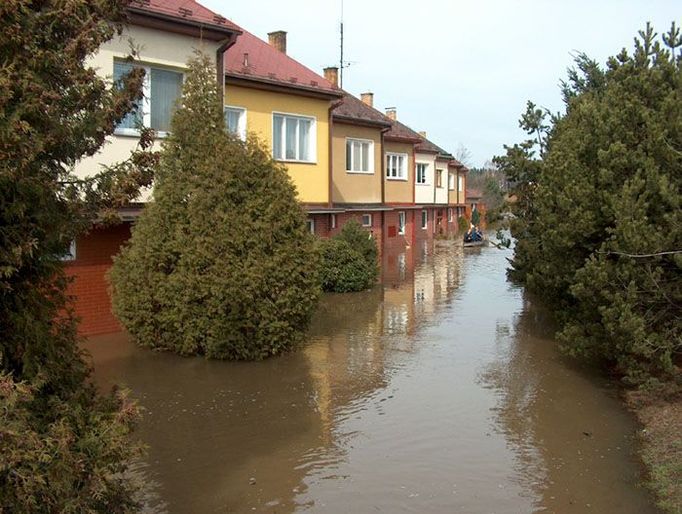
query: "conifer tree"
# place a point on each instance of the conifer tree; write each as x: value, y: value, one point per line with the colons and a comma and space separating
x: 63, y: 447
x: 220, y: 263
x: 600, y: 220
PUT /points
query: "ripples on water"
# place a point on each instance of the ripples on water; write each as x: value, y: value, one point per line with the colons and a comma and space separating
x: 439, y: 391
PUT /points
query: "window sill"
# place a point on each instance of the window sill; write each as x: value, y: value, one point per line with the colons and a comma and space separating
x: 397, y: 178
x: 136, y: 133
x: 294, y: 161
x: 359, y: 172
x: 418, y: 184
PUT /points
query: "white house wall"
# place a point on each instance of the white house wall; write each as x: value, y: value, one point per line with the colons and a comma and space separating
x: 424, y: 193
x: 155, y: 47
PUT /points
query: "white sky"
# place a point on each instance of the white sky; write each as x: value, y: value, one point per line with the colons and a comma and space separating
x: 460, y: 70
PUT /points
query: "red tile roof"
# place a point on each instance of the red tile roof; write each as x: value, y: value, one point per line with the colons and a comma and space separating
x: 353, y: 109
x: 184, y: 10
x: 474, y: 193
x: 402, y: 133
x: 253, y: 59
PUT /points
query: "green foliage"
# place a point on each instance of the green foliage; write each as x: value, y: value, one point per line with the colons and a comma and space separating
x: 476, y: 217
x: 62, y: 447
x: 220, y: 263
x: 601, y: 207
x: 462, y: 224
x: 349, y: 260
x: 343, y: 268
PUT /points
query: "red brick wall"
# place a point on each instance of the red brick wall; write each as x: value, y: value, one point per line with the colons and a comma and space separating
x: 89, y: 286
x: 391, y: 237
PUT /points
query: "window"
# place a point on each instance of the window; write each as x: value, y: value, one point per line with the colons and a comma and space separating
x: 359, y: 156
x: 401, y: 223
x: 451, y: 181
x: 333, y: 221
x: 425, y: 219
x: 366, y: 220
x: 396, y: 166
x: 421, y: 172
x: 310, y: 225
x: 235, y: 121
x: 450, y: 213
x: 293, y: 138
x: 439, y: 178
x: 70, y: 254
x: 161, y: 89
x: 460, y: 183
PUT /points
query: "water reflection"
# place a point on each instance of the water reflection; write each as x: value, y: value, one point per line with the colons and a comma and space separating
x: 429, y: 393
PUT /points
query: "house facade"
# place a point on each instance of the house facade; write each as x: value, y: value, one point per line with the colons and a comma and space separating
x: 346, y: 159
x: 166, y: 34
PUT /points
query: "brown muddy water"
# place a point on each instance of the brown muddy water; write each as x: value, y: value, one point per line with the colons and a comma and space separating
x: 440, y: 391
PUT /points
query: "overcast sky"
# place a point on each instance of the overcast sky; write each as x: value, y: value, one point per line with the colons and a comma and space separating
x: 460, y: 70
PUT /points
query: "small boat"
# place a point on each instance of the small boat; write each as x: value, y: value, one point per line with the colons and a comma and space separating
x: 469, y: 244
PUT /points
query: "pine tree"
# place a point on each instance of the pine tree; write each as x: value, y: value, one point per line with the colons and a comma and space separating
x: 600, y: 227
x: 63, y: 448
x: 220, y: 263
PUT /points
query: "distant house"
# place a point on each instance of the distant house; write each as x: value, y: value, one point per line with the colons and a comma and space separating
x: 474, y: 199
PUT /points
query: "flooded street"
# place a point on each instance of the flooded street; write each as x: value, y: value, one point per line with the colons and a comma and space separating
x: 440, y: 391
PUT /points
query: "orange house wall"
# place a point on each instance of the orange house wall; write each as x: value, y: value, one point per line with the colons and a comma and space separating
x: 89, y: 287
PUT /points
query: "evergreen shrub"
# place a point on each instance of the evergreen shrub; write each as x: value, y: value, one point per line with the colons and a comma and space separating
x: 220, y: 263
x: 343, y: 268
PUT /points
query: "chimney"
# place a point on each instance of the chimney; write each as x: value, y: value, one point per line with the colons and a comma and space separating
x: 278, y: 40
x: 367, y: 99
x: 422, y: 133
x: 392, y: 113
x: 332, y: 75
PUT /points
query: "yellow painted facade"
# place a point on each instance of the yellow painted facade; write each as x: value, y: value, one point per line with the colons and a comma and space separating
x: 311, y: 179
x: 395, y: 190
x: 355, y: 187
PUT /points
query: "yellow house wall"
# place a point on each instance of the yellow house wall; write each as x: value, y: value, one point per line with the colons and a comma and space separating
x: 400, y: 191
x: 348, y: 187
x: 157, y: 48
x: 311, y: 179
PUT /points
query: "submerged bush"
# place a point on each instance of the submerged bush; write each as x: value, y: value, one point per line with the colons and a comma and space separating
x: 343, y: 268
x: 349, y: 260
x: 462, y: 224
x: 220, y: 263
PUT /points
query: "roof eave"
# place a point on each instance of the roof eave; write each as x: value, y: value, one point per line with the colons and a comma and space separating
x: 259, y: 82
x: 168, y: 23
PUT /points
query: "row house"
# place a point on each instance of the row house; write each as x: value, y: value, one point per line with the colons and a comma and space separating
x: 347, y: 159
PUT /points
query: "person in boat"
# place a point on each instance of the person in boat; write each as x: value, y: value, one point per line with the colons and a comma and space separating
x: 473, y: 235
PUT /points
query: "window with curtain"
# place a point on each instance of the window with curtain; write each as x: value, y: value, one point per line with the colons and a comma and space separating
x: 161, y: 90
x: 359, y: 155
x: 451, y: 181
x: 425, y: 219
x: 293, y: 138
x: 439, y: 178
x: 460, y: 183
x: 401, y: 223
x: 235, y: 121
x: 396, y: 166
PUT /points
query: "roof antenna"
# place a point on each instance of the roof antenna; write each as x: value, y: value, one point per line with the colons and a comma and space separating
x: 341, y: 64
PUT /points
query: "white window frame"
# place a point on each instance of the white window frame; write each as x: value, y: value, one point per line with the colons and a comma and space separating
x: 332, y: 221
x: 369, y: 217
x: 310, y: 223
x: 460, y: 183
x: 402, y: 223
x: 439, y: 178
x: 70, y: 255
x: 370, y: 157
x: 401, y: 171
x: 451, y: 181
x: 241, y: 130
x: 425, y: 219
x: 146, y: 100
x: 450, y: 215
x: 425, y: 178
x: 313, y: 137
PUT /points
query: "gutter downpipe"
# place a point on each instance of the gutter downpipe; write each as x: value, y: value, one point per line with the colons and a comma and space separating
x: 330, y: 190
x: 383, y: 186
x: 220, y: 64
